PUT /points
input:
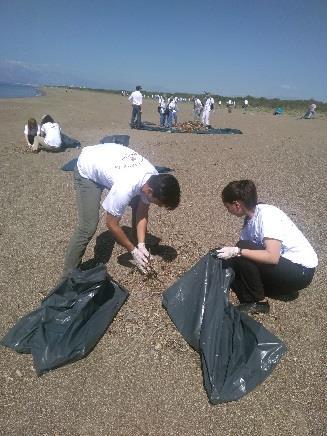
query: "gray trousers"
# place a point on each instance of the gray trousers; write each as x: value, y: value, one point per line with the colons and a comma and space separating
x: 88, y: 197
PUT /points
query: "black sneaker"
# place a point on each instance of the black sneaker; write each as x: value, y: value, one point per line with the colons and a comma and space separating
x: 257, y: 307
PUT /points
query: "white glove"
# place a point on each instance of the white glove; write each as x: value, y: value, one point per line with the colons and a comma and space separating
x: 227, y: 252
x: 140, y: 260
x: 141, y: 247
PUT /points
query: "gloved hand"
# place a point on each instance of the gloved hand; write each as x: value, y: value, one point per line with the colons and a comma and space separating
x: 140, y: 260
x: 141, y: 247
x: 227, y: 252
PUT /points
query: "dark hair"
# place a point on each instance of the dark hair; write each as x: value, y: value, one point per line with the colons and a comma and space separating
x: 47, y: 119
x: 166, y: 189
x: 31, y: 124
x: 243, y: 190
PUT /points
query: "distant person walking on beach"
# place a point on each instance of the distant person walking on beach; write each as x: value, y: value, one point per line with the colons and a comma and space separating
x: 245, y: 105
x: 31, y: 130
x: 197, y: 108
x: 163, y: 111
x: 50, y: 136
x: 136, y: 98
x: 208, y: 107
x: 128, y: 176
x: 171, y: 111
x: 272, y: 257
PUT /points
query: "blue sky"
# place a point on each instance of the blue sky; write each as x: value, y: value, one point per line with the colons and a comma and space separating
x: 271, y: 48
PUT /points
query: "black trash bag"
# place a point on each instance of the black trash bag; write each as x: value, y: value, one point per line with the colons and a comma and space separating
x: 69, y: 142
x: 237, y: 353
x: 69, y: 166
x: 70, y: 321
x: 116, y: 139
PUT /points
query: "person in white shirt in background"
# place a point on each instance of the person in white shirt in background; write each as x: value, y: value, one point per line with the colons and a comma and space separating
x: 197, y: 108
x: 50, y: 136
x: 219, y: 103
x: 31, y: 130
x: 245, y: 105
x: 208, y: 107
x: 136, y: 98
x: 171, y: 104
x: 163, y: 112
x: 272, y: 258
x: 175, y: 110
x: 229, y: 106
x: 311, y: 112
x: 129, y: 177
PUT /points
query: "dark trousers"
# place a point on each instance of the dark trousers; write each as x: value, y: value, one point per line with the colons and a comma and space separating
x: 253, y: 281
x: 136, y: 116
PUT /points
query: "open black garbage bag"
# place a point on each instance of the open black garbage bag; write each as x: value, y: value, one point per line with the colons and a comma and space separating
x: 237, y: 352
x: 70, y: 320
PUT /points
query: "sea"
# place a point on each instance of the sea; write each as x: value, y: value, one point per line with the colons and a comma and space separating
x: 15, y: 91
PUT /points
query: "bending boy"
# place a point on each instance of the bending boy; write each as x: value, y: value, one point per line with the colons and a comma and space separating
x: 127, y: 175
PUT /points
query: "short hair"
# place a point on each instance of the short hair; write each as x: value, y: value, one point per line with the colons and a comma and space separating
x: 243, y: 190
x: 166, y: 189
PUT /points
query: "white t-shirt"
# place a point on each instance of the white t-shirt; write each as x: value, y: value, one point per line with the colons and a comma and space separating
x: 208, y: 103
x: 197, y: 103
x: 172, y: 105
x: 32, y: 132
x: 162, y: 104
x: 246, y: 102
x: 270, y: 222
x: 119, y: 169
x: 52, y: 134
x: 136, y: 98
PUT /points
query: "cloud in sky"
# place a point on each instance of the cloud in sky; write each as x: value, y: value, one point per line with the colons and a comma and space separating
x: 287, y: 87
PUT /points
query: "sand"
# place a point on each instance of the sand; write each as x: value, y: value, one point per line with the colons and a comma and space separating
x: 142, y: 378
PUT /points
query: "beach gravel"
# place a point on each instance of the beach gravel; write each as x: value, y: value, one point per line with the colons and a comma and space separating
x: 142, y: 378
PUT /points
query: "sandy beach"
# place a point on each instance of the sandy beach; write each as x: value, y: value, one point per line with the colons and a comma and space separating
x: 142, y: 378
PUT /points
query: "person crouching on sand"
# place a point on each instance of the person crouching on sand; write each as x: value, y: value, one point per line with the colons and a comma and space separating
x: 272, y: 258
x: 128, y: 176
x: 50, y: 136
x: 32, y: 129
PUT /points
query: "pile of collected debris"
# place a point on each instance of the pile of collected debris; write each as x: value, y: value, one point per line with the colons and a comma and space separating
x: 190, y: 126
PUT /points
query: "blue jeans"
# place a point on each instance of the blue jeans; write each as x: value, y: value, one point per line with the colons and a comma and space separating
x: 163, y: 119
x: 170, y: 119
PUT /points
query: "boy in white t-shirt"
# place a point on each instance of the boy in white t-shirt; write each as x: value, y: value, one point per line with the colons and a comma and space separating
x: 129, y: 177
x: 272, y: 258
x: 136, y: 98
x: 208, y: 107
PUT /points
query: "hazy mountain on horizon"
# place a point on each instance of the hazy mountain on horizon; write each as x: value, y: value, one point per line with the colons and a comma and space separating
x: 12, y: 71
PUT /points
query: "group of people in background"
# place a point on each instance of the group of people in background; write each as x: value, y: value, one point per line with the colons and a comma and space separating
x: 46, y: 136
x: 202, y: 108
x: 168, y: 108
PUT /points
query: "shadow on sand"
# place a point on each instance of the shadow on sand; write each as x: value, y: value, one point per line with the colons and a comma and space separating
x: 105, y: 243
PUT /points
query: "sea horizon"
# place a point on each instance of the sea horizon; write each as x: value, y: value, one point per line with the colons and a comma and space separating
x: 18, y: 90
